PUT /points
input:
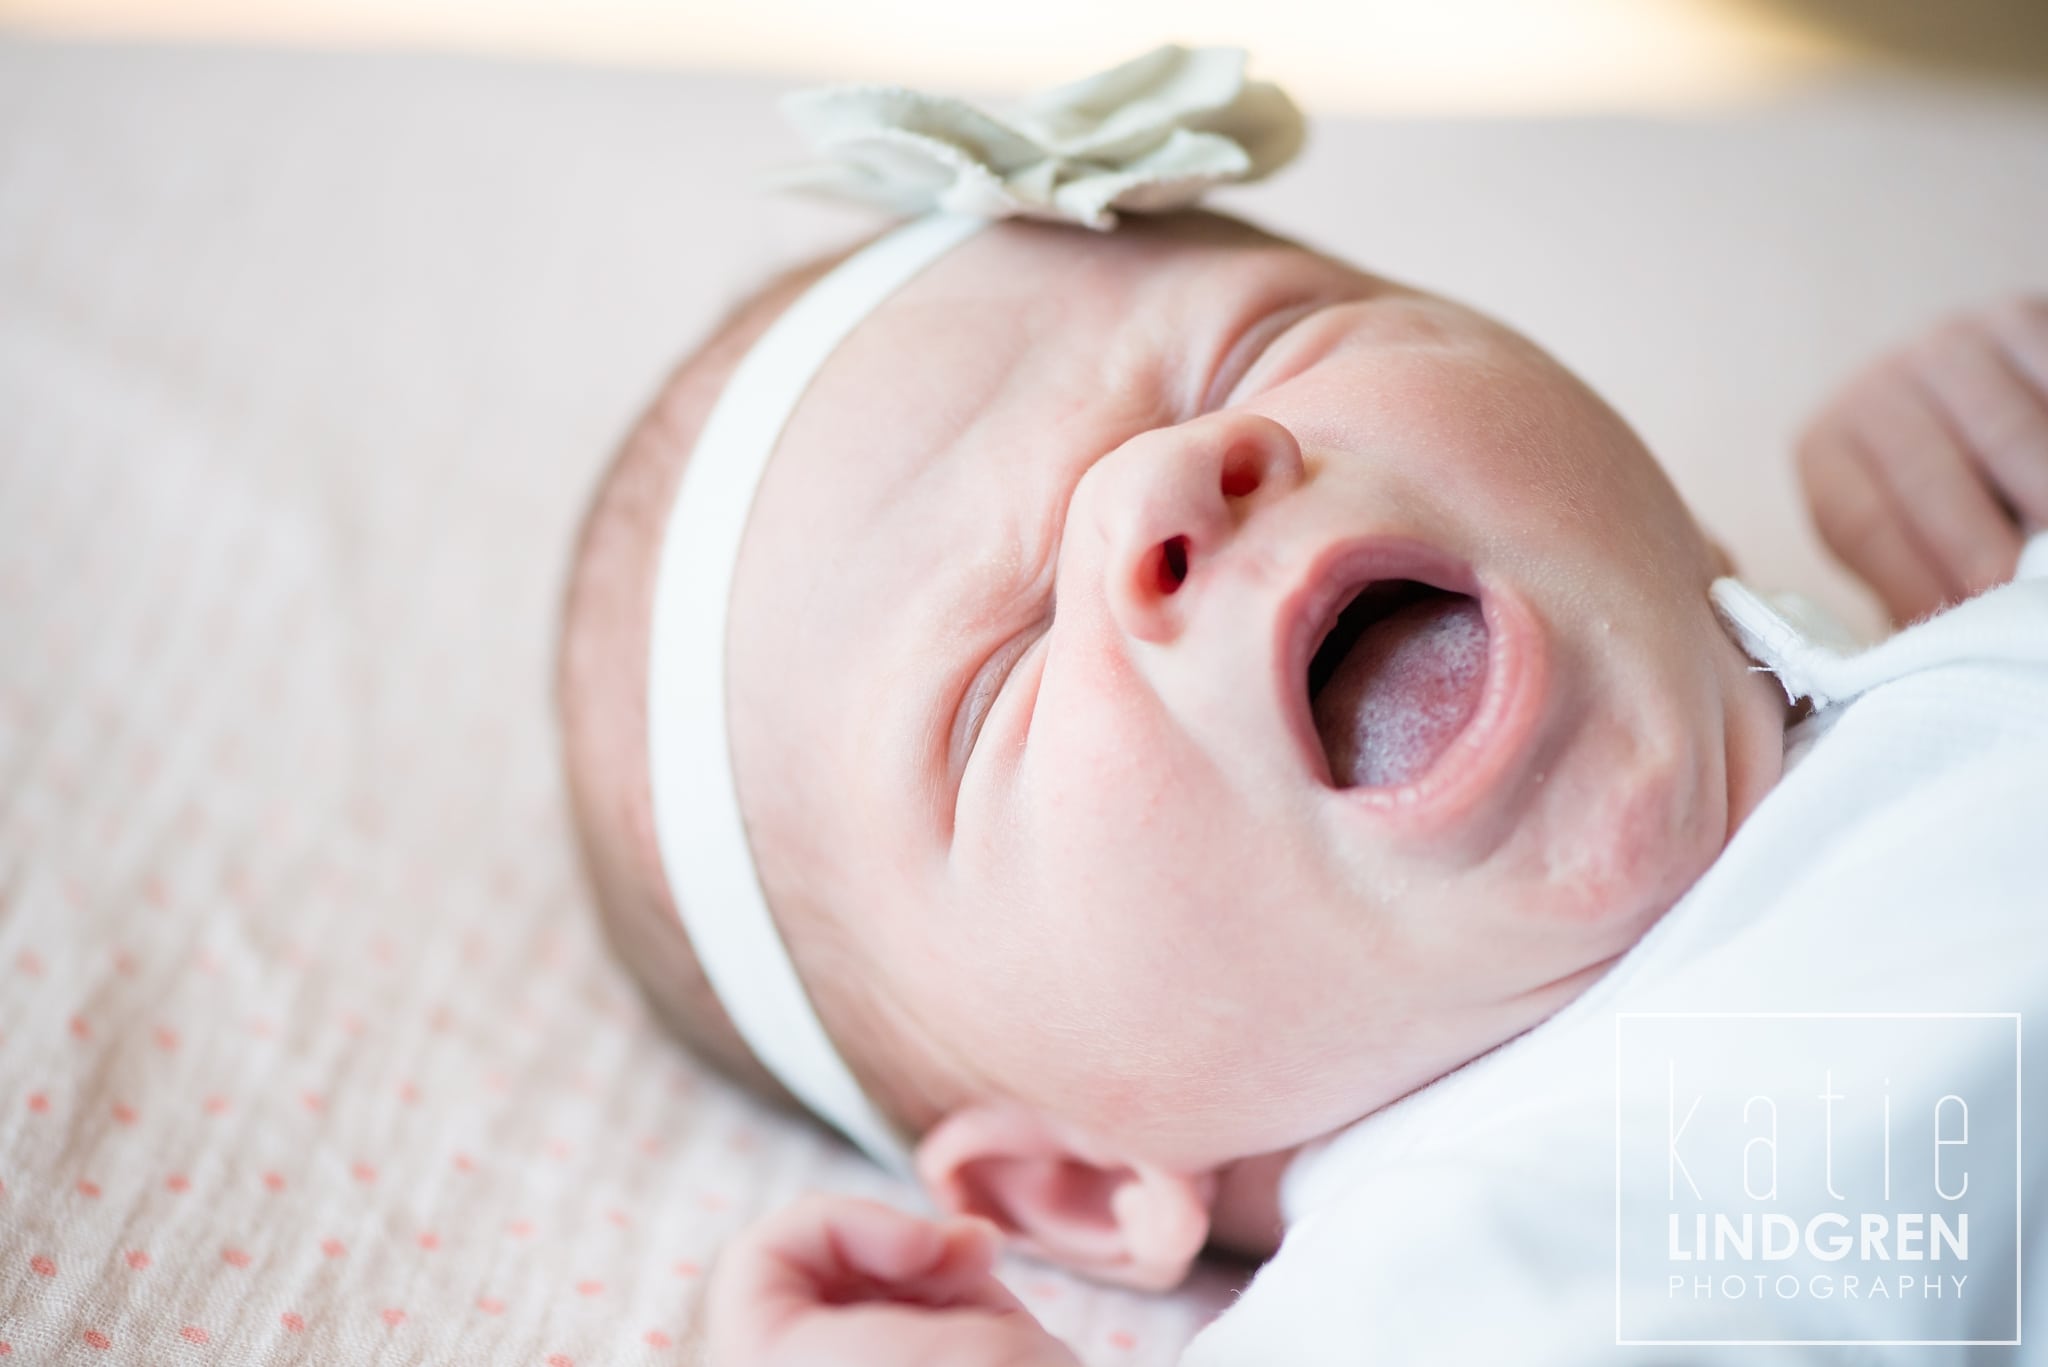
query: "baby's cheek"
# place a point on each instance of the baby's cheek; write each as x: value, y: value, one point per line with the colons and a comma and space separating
x: 1138, y: 835
x: 1641, y: 834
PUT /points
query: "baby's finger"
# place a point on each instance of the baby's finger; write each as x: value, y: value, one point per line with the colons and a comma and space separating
x: 1936, y: 485
x: 829, y: 1236
x: 964, y: 1275
x: 842, y: 1249
x: 793, y: 1261
x: 2021, y: 326
x: 959, y: 1277
x: 823, y: 1258
x: 1856, y: 518
x: 1993, y: 404
x: 918, y: 1336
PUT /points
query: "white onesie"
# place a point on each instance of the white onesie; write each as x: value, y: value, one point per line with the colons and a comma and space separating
x: 1898, y: 870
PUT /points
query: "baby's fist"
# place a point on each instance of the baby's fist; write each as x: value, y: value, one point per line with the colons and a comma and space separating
x: 834, y: 1281
x: 1926, y: 469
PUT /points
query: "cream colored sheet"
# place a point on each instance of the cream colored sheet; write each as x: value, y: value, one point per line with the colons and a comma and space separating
x: 308, y: 1049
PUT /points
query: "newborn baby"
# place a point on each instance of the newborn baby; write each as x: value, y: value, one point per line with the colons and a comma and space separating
x: 1186, y: 694
x: 1072, y: 582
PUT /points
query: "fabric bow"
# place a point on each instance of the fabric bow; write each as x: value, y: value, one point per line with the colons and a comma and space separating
x: 1150, y: 135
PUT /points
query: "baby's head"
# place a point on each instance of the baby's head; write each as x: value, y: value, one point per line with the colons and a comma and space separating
x: 1185, y: 693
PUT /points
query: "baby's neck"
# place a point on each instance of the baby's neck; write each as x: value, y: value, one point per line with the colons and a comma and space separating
x: 1244, y: 1218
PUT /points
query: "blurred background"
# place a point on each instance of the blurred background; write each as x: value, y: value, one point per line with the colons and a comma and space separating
x: 1441, y: 57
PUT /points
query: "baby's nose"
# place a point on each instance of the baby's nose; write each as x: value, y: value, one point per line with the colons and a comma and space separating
x: 1173, y: 499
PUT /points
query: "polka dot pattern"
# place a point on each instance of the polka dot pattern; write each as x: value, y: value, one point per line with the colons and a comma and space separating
x: 310, y: 1050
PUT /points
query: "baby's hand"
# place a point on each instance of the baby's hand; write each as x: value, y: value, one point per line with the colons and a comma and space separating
x: 1926, y: 469
x: 833, y: 1281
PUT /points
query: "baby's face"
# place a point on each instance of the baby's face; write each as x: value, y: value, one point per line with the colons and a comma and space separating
x: 1022, y: 666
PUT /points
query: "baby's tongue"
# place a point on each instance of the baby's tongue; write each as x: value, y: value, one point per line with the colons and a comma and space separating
x: 1403, y: 691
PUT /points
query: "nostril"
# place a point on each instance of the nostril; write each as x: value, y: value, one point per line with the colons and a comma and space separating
x: 1240, y: 478
x: 1173, y: 564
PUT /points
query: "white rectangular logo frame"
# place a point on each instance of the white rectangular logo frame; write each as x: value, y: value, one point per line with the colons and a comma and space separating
x: 2019, y: 1184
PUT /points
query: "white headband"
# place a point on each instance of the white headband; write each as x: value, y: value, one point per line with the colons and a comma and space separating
x: 696, y: 807
x: 1149, y: 135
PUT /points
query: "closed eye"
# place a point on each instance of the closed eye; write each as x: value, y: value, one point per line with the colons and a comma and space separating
x: 1249, y: 348
x: 984, y: 690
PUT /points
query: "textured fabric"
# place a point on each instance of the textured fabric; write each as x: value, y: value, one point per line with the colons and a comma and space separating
x: 1897, y: 868
x: 307, y: 1043
x: 1149, y: 135
x: 1821, y: 671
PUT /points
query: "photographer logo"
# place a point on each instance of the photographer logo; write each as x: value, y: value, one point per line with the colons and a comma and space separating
x: 1811, y: 1179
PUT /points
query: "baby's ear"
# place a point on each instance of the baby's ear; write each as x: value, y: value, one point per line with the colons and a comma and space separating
x: 1063, y: 1199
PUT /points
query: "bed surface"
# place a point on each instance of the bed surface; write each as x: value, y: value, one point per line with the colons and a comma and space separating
x: 309, y: 1050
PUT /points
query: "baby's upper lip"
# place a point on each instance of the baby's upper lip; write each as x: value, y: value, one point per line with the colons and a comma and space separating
x: 1330, y: 579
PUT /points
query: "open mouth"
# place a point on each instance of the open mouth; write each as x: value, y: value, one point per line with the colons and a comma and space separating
x: 1399, y: 674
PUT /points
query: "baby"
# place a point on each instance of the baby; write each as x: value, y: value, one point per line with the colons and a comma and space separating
x: 1187, y: 693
